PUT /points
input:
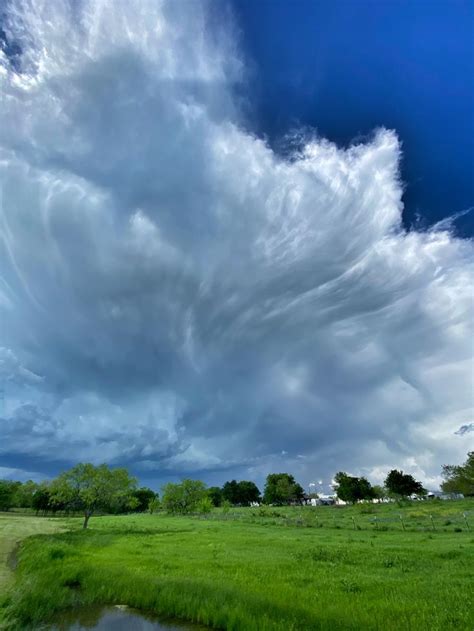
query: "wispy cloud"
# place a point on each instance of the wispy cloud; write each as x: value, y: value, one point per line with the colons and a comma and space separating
x: 179, y: 297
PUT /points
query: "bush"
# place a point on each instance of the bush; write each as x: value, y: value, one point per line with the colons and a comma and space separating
x: 154, y: 505
x: 205, y: 506
x: 183, y: 498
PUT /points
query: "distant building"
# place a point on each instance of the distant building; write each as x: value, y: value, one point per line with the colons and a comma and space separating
x: 431, y: 495
x: 324, y: 500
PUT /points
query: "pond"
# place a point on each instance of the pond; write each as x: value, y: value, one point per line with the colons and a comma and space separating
x: 117, y: 618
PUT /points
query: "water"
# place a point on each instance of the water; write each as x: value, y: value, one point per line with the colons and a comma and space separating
x: 117, y: 618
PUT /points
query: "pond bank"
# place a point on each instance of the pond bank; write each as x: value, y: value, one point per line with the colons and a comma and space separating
x: 116, y: 618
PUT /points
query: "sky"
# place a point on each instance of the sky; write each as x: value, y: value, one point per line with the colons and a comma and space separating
x: 235, y: 238
x: 346, y: 67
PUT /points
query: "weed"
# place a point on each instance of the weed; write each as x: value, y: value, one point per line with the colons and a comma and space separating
x: 350, y: 586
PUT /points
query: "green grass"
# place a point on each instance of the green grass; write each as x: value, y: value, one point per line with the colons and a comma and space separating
x: 14, y: 528
x: 445, y: 516
x: 249, y: 572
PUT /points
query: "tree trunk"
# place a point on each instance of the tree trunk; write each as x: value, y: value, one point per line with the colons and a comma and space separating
x: 86, y: 520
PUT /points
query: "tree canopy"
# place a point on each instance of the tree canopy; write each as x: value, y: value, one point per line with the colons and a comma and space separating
x: 184, y: 497
x: 42, y: 499
x: 144, y: 496
x: 215, y: 495
x: 404, y: 484
x: 459, y: 478
x: 281, y: 488
x: 241, y: 493
x: 89, y: 488
x: 351, y: 489
x: 7, y: 494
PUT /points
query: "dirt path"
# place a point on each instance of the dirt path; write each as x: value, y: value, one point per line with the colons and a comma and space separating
x: 14, y: 528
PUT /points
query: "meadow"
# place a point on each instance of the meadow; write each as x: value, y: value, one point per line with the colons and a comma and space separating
x: 14, y: 528
x: 270, y: 568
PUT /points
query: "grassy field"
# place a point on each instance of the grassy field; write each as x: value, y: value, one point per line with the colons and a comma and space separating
x: 437, y: 515
x: 249, y: 570
x: 14, y: 528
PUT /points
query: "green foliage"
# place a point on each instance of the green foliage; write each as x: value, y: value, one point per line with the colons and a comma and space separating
x: 41, y: 500
x: 352, y: 489
x: 230, y: 491
x: 24, y: 494
x: 215, y: 495
x: 241, y: 493
x: 403, y: 484
x: 184, y: 497
x: 459, y: 478
x: 205, y: 505
x: 248, y: 492
x: 7, y: 494
x: 88, y: 488
x: 281, y: 488
x: 144, y: 496
x: 378, y: 491
x: 226, y: 506
x: 154, y: 505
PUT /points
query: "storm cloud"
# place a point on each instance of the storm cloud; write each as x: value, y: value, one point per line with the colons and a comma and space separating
x: 178, y: 298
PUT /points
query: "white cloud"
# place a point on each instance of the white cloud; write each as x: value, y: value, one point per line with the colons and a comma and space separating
x: 193, y: 301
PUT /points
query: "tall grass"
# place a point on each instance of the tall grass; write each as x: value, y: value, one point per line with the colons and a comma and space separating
x: 245, y: 576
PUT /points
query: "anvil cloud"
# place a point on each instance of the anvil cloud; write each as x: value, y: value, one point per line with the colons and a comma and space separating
x: 178, y: 298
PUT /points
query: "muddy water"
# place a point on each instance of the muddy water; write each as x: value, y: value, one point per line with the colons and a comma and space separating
x: 116, y: 619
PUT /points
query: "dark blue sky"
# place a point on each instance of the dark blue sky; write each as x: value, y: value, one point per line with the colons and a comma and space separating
x: 347, y: 66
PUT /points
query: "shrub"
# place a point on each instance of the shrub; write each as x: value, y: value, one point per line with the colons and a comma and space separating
x: 183, y: 498
x: 205, y: 506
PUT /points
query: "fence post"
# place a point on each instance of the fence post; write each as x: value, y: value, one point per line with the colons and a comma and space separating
x: 376, y: 523
x: 432, y: 522
x: 403, y: 523
x: 354, y: 522
x: 467, y: 523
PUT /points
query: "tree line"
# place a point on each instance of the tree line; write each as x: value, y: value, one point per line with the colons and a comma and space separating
x: 192, y: 496
x: 280, y: 488
x: 85, y: 488
x: 89, y: 489
x: 397, y: 484
x: 457, y: 479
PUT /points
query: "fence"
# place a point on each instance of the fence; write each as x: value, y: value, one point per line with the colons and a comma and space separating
x: 462, y: 521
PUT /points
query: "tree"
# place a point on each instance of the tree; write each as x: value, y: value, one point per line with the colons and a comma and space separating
x: 143, y: 497
x: 281, y: 488
x: 24, y: 494
x: 42, y: 498
x: 459, y: 478
x: 215, y: 495
x: 230, y: 492
x: 403, y: 484
x: 183, y: 498
x: 88, y: 488
x: 7, y: 494
x: 248, y: 492
x: 378, y: 491
x: 241, y: 493
x: 154, y: 505
x: 352, y: 489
